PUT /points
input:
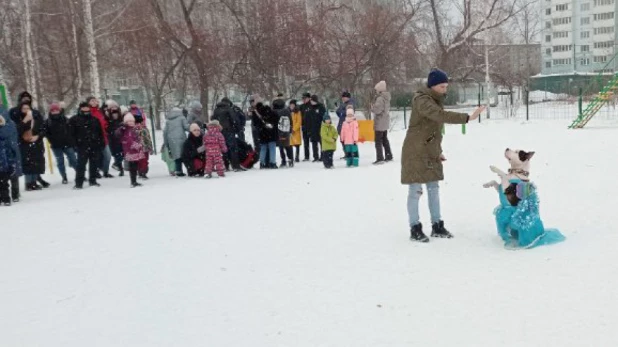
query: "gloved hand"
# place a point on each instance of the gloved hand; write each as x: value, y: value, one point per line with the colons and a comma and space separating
x: 201, y: 149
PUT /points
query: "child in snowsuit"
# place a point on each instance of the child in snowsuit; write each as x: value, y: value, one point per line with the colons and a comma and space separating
x: 8, y: 158
x: 144, y: 135
x: 214, y: 143
x: 132, y: 146
x: 194, y: 152
x: 328, y: 134
x: 349, y: 137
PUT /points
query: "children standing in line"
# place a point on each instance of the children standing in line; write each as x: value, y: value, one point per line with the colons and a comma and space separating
x: 297, y: 122
x: 214, y: 143
x: 329, y: 135
x: 132, y: 146
x: 349, y: 137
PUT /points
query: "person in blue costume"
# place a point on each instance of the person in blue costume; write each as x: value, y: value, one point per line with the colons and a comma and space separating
x: 520, y: 226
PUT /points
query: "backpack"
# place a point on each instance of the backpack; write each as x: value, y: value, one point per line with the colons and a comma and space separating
x: 285, y: 125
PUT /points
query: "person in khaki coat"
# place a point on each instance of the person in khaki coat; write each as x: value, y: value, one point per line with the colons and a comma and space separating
x: 382, y: 122
x: 421, y: 157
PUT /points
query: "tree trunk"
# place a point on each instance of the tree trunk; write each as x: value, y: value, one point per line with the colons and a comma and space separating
x: 29, y: 63
x: 76, y: 56
x: 95, y: 84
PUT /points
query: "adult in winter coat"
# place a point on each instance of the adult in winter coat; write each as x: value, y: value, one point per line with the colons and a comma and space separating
x: 224, y: 114
x: 62, y: 144
x: 23, y: 98
x: 31, y: 130
x: 114, y: 122
x: 285, y: 132
x: 421, y: 157
x: 304, y: 107
x: 195, y: 113
x: 9, y: 154
x: 267, y: 122
x: 382, y: 122
x: 315, y: 114
x: 106, y: 154
x: 89, y: 144
x: 174, y: 137
x: 194, y: 152
x: 10, y: 131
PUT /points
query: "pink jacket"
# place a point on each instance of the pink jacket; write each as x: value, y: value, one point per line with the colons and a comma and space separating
x: 349, y: 132
x: 131, y: 145
x: 214, y: 141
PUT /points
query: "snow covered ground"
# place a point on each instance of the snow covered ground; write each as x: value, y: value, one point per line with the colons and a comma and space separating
x: 309, y: 257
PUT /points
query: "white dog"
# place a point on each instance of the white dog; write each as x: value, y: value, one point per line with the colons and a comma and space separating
x: 520, y: 168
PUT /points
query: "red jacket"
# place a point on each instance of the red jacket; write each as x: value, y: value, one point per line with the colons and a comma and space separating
x: 96, y: 113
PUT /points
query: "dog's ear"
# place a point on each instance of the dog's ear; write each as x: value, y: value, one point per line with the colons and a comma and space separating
x: 523, y: 155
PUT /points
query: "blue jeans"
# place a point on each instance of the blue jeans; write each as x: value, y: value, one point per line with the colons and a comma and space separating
x: 106, y: 159
x: 59, y: 153
x: 414, y: 194
x: 30, y: 178
x: 271, y: 147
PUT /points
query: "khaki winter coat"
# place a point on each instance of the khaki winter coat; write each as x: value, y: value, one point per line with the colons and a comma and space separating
x: 420, y: 157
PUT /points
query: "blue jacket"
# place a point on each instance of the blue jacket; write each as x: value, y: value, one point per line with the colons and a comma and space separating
x: 341, y: 113
x: 10, y: 158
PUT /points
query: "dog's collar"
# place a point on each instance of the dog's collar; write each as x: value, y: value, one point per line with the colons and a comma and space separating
x: 519, y: 172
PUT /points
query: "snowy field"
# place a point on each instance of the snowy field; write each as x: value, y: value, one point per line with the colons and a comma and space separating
x: 309, y: 257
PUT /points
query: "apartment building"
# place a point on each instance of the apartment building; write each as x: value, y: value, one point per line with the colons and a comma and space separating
x: 579, y: 36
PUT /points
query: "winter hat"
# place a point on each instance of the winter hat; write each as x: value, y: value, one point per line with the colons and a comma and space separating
x: 306, y: 96
x: 293, y: 102
x: 128, y: 117
x: 194, y: 126
x: 346, y: 95
x: 349, y: 111
x: 227, y: 101
x: 380, y: 87
x: 54, y: 107
x: 132, y: 102
x: 83, y: 104
x: 214, y: 124
x: 326, y: 117
x: 436, y: 76
x: 111, y: 103
x: 314, y: 98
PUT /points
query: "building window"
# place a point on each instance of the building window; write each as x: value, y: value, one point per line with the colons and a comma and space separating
x: 548, y: 12
x: 561, y: 34
x: 585, y: 48
x: 563, y: 20
x: 585, y: 20
x: 548, y: 51
x: 585, y: 34
x: 585, y: 61
x: 547, y: 25
x: 586, y: 7
x: 604, y: 44
x: 562, y: 61
x: 562, y: 7
x: 603, y: 2
x: 604, y: 30
x: 600, y: 59
x: 562, y: 48
x: 548, y: 64
x: 604, y: 16
x: 547, y: 38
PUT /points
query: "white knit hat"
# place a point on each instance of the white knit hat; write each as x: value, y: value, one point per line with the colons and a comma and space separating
x: 381, y: 86
x: 128, y: 117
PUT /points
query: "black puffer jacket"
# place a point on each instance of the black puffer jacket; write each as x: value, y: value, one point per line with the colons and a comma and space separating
x: 225, y: 115
x: 267, y: 122
x: 190, y: 153
x: 87, y: 132
x: 58, y: 131
x: 315, y: 115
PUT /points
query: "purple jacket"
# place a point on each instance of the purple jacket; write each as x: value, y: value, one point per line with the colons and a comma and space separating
x: 131, y: 144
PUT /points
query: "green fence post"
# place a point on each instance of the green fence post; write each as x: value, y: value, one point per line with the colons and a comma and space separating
x: 580, y: 102
x: 3, y: 98
x: 152, y: 125
x: 463, y: 128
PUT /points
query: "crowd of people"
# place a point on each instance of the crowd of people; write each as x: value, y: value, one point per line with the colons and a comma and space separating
x: 108, y: 136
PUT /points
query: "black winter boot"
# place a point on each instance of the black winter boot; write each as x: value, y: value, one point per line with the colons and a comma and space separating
x: 43, y: 183
x: 438, y: 230
x: 416, y: 233
x: 65, y: 180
